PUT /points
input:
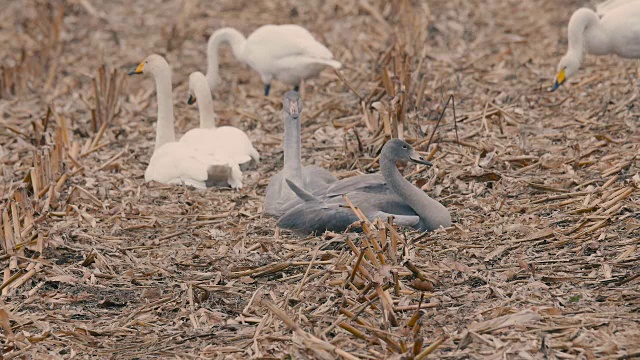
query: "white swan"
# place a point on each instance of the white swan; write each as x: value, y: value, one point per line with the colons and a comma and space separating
x: 604, y: 7
x: 180, y: 163
x: 278, y: 196
x: 616, y: 32
x: 288, y: 53
x: 226, y: 141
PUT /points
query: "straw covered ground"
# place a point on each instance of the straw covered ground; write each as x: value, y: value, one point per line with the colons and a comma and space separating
x: 542, y: 261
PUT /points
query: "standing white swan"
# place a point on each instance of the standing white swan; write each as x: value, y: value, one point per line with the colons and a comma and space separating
x: 409, y: 205
x: 288, y: 53
x: 181, y: 163
x: 617, y: 32
x: 226, y: 141
x: 279, y: 196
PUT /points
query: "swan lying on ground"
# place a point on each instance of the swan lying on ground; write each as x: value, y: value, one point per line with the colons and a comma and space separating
x: 181, y: 163
x: 409, y: 205
x: 287, y: 53
x: 226, y: 141
x: 278, y: 194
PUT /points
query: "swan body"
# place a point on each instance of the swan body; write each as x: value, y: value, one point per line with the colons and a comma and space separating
x: 182, y: 163
x: 367, y: 183
x: 279, y: 196
x: 604, y: 7
x: 615, y: 31
x: 226, y: 141
x: 408, y: 204
x: 287, y: 53
x: 175, y: 163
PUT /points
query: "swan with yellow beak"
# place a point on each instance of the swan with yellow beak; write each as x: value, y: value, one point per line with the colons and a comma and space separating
x: 614, y: 28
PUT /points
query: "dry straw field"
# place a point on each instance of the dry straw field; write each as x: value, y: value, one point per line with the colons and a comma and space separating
x: 542, y: 261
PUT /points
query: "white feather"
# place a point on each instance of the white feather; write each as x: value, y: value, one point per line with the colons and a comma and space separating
x: 227, y: 142
x: 616, y: 32
x: 189, y: 161
x: 604, y: 7
x: 288, y: 53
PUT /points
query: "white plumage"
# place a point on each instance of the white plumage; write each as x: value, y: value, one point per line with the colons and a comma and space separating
x: 184, y: 162
x: 226, y: 141
x: 616, y: 31
x: 178, y: 163
x: 604, y: 7
x: 287, y: 53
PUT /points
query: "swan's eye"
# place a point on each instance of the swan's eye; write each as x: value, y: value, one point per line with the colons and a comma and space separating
x: 404, y: 146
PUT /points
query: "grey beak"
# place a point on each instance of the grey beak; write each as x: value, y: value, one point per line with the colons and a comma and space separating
x: 420, y: 160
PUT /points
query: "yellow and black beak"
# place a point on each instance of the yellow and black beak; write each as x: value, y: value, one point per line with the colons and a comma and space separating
x: 560, y: 79
x: 192, y: 100
x: 138, y: 70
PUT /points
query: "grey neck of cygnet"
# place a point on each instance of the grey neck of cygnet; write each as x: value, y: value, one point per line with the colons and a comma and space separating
x: 292, y: 152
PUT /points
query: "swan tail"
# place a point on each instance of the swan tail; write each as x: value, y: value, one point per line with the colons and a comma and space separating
x: 328, y: 62
x: 301, y: 193
x: 333, y: 63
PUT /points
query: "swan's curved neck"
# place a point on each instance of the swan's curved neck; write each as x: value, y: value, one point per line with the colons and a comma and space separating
x: 229, y: 35
x: 292, y: 158
x: 164, y: 128
x: 205, y: 105
x: 586, y: 34
x: 420, y: 202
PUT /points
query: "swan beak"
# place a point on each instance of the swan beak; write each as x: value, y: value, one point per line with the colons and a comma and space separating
x: 292, y: 104
x: 192, y: 100
x: 560, y: 79
x: 138, y: 70
x: 419, y: 159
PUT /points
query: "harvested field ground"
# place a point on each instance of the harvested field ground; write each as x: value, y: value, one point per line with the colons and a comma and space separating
x: 542, y: 261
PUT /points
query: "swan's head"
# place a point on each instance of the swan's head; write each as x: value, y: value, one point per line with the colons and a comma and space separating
x: 197, y: 81
x: 400, y: 151
x: 567, y: 66
x: 292, y: 104
x: 153, y: 64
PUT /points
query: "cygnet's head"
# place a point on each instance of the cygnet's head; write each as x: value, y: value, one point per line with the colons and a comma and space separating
x: 153, y: 64
x: 196, y: 80
x: 567, y: 66
x: 400, y: 151
x: 292, y: 104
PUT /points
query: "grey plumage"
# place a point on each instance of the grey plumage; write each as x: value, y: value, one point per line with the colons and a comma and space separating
x: 279, y: 197
x: 399, y: 198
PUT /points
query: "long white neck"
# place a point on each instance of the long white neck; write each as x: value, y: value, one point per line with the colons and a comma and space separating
x: 231, y: 36
x: 292, y: 158
x: 432, y: 214
x: 205, y: 103
x: 586, y: 34
x: 164, y: 128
